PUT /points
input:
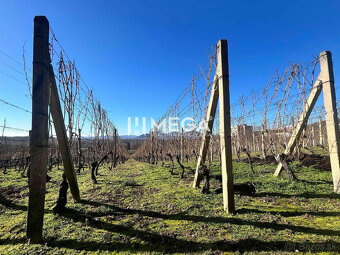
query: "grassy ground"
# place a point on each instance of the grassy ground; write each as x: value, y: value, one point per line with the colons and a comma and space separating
x: 142, y: 208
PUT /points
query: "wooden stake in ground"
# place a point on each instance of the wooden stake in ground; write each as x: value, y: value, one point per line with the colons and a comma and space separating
x: 332, y: 122
x: 151, y: 152
x: 211, y: 112
x: 324, y: 81
x: 225, y: 136
x: 58, y: 121
x: 80, y: 154
x: 313, y: 96
x: 182, y: 146
x: 39, y: 133
x: 320, y: 131
x: 220, y: 90
x: 115, y: 150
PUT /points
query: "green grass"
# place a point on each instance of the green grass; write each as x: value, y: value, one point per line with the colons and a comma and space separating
x: 142, y: 208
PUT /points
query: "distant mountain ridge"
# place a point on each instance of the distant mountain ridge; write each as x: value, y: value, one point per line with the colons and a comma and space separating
x: 161, y: 135
x: 143, y: 136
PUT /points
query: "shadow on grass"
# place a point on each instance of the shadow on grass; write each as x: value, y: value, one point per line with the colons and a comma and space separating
x: 10, y: 204
x: 231, y: 220
x: 180, y: 246
x: 304, y: 195
x: 154, y: 242
x: 287, y: 213
x: 316, y: 182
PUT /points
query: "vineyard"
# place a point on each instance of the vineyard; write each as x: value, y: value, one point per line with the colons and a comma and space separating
x: 260, y: 174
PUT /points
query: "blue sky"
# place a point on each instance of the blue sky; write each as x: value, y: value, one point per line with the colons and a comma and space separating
x: 138, y: 56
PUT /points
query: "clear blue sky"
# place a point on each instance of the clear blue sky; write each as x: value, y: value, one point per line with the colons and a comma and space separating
x: 139, y: 55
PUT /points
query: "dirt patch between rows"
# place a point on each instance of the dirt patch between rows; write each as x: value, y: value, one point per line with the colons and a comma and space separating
x: 319, y: 162
x: 13, y: 192
x: 322, y: 163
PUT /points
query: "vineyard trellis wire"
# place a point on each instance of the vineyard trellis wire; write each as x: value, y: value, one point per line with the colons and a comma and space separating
x: 262, y: 121
x: 92, y: 136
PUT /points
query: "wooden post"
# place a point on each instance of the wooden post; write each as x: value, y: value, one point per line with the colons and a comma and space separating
x: 303, y: 135
x: 239, y: 136
x: 212, y: 148
x: 6, y: 143
x: 39, y: 133
x: 313, y: 134
x: 80, y: 154
x: 151, y: 156
x: 211, y: 111
x: 320, y: 132
x: 253, y: 136
x: 220, y: 90
x: 115, y: 149
x: 156, y: 147
x: 225, y: 136
x: 324, y: 81
x: 182, y: 147
x: 301, y: 124
x: 332, y: 122
x: 58, y: 121
x: 263, y: 142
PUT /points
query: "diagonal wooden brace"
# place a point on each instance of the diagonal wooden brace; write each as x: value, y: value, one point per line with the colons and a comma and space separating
x: 312, y: 98
x: 58, y: 121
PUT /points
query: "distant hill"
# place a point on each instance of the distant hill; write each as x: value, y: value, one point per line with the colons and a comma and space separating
x: 127, y: 136
x: 160, y: 135
x: 143, y: 136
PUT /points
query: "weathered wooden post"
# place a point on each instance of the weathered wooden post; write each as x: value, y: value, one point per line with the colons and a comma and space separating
x: 303, y: 136
x: 212, y: 148
x: 156, y: 146
x: 332, y: 122
x: 300, y: 126
x: 220, y: 90
x: 64, y: 145
x: 39, y: 132
x: 324, y: 81
x: 115, y: 150
x: 151, y: 153
x: 320, y: 132
x: 80, y: 154
x: 211, y: 112
x: 253, y: 139
x: 313, y: 135
x: 263, y: 146
x: 225, y: 136
x: 182, y: 146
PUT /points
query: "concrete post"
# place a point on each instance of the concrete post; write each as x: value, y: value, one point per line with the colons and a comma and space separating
x: 332, y: 122
x: 39, y: 133
x: 225, y: 135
